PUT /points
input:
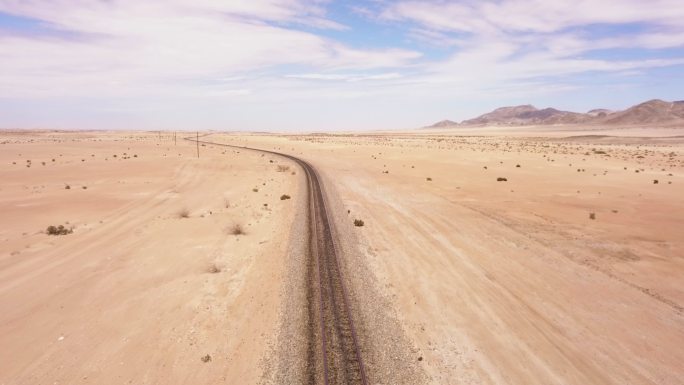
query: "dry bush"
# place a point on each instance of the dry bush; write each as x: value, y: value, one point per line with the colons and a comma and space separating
x: 282, y: 168
x: 358, y: 223
x: 58, y: 230
x: 500, y: 179
x: 184, y: 213
x: 592, y: 216
x: 284, y: 196
x: 237, y: 229
x: 213, y: 269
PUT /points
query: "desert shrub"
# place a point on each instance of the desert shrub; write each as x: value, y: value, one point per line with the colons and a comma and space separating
x: 237, y: 229
x: 592, y: 216
x: 184, y: 213
x: 655, y: 181
x: 255, y: 189
x: 67, y: 187
x: 282, y: 168
x: 206, y: 358
x: 428, y: 179
x: 500, y: 179
x: 358, y: 223
x: 284, y: 196
x: 58, y: 230
x: 213, y: 269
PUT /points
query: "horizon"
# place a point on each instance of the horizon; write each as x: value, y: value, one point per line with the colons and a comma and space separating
x: 295, y: 65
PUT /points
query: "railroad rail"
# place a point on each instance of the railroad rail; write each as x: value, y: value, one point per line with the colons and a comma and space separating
x: 333, y: 352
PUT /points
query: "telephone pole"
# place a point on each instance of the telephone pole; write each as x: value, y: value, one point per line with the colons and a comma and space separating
x: 197, y: 141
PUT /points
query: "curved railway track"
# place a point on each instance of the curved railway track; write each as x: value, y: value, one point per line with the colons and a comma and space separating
x: 333, y: 351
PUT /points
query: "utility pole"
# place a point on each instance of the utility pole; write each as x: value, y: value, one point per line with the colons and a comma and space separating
x: 197, y: 141
x: 174, y: 139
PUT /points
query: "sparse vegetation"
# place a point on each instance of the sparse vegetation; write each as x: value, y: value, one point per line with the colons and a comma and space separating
x: 282, y: 168
x: 255, y: 189
x: 500, y: 179
x: 213, y: 269
x: 237, y: 229
x: 592, y: 216
x: 67, y: 187
x: 59, y: 230
x: 184, y: 213
x: 284, y: 197
x: 428, y: 179
x: 358, y: 223
x: 206, y: 358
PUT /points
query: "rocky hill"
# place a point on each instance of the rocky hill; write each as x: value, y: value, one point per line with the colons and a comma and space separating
x: 650, y: 112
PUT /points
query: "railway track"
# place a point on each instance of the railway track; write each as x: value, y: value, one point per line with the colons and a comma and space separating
x: 333, y: 351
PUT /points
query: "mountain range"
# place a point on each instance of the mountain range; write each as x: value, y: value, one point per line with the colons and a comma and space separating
x: 650, y: 112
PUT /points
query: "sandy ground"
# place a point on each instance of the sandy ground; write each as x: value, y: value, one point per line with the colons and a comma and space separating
x: 137, y: 293
x: 458, y: 278
x: 513, y: 282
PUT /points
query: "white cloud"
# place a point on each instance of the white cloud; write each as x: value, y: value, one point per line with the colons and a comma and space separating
x: 240, y: 57
x: 130, y: 47
x: 543, y: 16
x: 346, y: 77
x: 499, y: 43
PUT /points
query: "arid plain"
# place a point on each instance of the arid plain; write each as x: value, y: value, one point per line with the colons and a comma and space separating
x: 497, y: 256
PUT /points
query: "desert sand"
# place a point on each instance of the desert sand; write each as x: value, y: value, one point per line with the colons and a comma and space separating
x: 137, y: 293
x: 568, y: 272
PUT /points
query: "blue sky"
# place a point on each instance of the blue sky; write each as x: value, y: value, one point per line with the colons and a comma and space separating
x: 314, y: 65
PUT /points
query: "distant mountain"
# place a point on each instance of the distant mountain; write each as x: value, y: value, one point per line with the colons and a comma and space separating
x: 502, y: 115
x: 599, y: 112
x: 527, y: 115
x: 444, y: 123
x: 651, y: 112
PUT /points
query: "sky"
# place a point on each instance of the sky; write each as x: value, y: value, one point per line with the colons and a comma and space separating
x: 318, y: 65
